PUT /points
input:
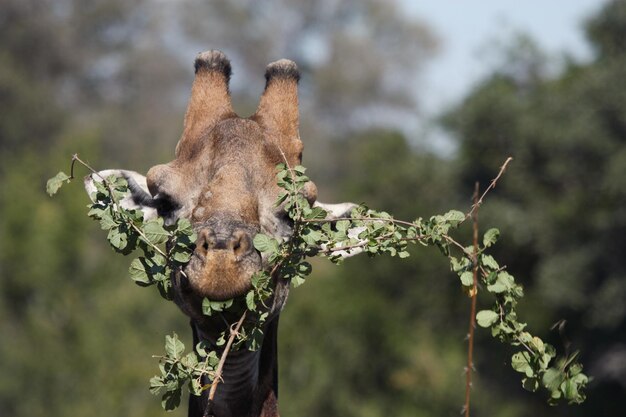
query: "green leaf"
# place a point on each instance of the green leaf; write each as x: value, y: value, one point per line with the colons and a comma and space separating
x: 455, y: 264
x: 255, y: 339
x: 342, y: 225
x: 54, y: 183
x: 489, y: 262
x: 138, y: 272
x: 570, y: 390
x: 296, y: 281
x: 490, y: 237
x: 118, y: 238
x: 259, y: 279
x: 171, y: 400
x: 107, y: 222
x: 264, y: 243
x: 304, y: 268
x: 180, y: 256
x: 580, y: 378
x: 552, y: 379
x: 454, y: 217
x: 195, y: 387
x: 154, y: 231
x: 101, y: 187
x: 208, y: 306
x: 118, y: 183
x: 312, y: 237
x: 503, y: 283
x: 190, y: 360
x: 173, y: 346
x: 156, y: 384
x: 213, y: 359
x: 316, y: 213
x: 530, y: 384
x: 183, y: 226
x: 521, y: 363
x: 467, y: 278
x: 486, y: 318
x: 250, y: 301
x: 575, y: 369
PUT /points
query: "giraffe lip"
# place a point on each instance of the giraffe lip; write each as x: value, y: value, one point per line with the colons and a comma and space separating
x: 220, y: 275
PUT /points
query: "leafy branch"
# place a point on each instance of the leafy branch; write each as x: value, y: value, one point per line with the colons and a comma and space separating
x: 166, y: 248
x: 377, y: 233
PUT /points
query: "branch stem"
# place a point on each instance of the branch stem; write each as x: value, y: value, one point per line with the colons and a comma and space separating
x: 492, y: 185
x: 474, y: 291
x: 220, y: 366
x: 364, y: 219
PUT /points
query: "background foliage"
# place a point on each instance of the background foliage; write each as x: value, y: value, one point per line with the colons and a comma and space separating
x: 109, y: 79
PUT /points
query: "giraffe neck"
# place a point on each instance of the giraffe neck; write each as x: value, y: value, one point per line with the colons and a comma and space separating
x: 249, y: 378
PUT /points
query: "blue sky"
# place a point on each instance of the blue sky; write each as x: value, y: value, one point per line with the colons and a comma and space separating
x: 466, y: 28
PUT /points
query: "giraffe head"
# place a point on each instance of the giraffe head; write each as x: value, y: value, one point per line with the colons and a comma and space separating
x: 223, y: 176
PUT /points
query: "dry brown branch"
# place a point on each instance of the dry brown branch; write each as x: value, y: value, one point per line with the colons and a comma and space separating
x: 474, y: 292
x: 492, y: 185
x: 220, y: 366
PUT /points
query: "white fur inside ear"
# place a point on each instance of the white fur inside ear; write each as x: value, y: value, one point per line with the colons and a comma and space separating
x: 353, y: 233
x: 336, y: 210
x: 128, y: 202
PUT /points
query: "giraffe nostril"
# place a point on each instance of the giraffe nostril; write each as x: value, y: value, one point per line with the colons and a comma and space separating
x: 205, y: 242
x: 239, y: 242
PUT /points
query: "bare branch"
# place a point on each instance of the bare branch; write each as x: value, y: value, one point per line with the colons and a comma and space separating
x: 492, y: 185
x: 365, y: 219
x: 474, y: 292
x: 220, y: 367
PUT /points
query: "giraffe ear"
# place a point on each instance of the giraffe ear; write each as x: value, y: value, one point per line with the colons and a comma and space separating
x: 336, y: 211
x: 209, y: 102
x: 278, y: 108
x: 339, y: 211
x: 138, y: 197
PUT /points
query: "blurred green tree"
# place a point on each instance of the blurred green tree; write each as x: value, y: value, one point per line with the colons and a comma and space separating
x: 69, y: 326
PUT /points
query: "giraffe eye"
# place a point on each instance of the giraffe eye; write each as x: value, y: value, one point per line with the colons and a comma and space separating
x: 165, y: 205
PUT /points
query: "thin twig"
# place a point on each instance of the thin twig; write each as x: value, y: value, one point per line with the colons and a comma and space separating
x: 457, y: 244
x: 364, y: 219
x: 75, y: 159
x: 474, y: 291
x: 492, y: 185
x: 220, y: 366
x: 378, y: 239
